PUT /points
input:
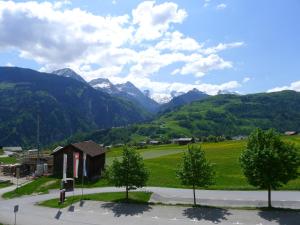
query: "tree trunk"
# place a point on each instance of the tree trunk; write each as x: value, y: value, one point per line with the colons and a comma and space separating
x: 194, y: 193
x: 269, y: 197
x: 127, y: 193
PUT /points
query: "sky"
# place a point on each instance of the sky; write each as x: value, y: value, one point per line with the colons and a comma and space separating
x: 239, y: 46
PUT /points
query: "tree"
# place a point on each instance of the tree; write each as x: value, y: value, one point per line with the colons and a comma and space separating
x: 195, y: 170
x: 130, y: 172
x: 268, y: 162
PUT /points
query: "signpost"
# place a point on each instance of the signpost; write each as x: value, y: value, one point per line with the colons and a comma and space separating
x: 16, y: 209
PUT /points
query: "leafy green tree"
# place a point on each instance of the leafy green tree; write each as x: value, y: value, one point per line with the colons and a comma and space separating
x: 130, y: 172
x: 268, y: 162
x: 195, y: 170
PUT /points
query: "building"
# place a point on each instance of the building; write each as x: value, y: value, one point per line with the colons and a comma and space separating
x: 153, y: 142
x: 17, y: 149
x: 37, y: 163
x: 183, y: 141
x: 10, y: 151
x: 290, y: 133
x: 95, y: 159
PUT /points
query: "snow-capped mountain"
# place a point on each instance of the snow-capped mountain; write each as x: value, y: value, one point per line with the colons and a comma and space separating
x: 66, y: 72
x: 104, y: 85
x: 183, y: 99
x: 127, y: 91
x: 226, y: 92
x: 162, y: 98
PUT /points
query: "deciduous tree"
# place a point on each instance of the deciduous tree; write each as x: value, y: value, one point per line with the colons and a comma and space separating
x: 268, y: 162
x: 129, y: 172
x: 195, y: 170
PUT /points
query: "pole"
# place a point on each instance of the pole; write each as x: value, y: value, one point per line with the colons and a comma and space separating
x: 38, y: 138
x: 82, y: 185
x: 17, y: 183
x: 15, y: 218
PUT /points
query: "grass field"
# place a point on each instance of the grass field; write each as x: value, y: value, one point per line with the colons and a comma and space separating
x: 38, y: 186
x: 4, y: 184
x: 134, y: 197
x: 8, y: 160
x: 162, y: 163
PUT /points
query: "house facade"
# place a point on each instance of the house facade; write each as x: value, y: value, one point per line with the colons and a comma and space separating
x: 95, y: 159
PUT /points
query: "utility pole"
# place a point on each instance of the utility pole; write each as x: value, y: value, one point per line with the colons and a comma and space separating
x: 38, y: 139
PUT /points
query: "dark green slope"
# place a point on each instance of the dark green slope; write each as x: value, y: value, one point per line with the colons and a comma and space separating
x: 235, y: 115
x: 227, y: 115
x: 66, y: 107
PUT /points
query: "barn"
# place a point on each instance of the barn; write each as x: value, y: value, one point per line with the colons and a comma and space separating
x: 95, y: 159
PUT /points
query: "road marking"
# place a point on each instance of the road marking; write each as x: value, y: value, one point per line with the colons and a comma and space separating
x: 259, y: 224
x: 137, y: 216
x: 105, y: 213
x: 154, y: 217
x: 238, y: 223
x: 194, y: 220
x: 174, y: 219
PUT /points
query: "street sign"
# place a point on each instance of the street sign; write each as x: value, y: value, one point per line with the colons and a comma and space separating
x: 16, y: 208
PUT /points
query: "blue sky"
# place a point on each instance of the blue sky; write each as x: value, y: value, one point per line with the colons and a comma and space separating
x: 244, y: 46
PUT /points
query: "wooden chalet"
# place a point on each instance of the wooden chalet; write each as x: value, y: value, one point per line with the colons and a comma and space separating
x: 95, y: 159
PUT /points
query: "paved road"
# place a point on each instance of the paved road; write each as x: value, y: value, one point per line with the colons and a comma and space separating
x: 109, y: 213
x: 284, y: 199
x: 92, y: 213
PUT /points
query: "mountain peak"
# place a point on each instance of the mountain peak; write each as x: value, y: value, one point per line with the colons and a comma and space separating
x: 67, y: 72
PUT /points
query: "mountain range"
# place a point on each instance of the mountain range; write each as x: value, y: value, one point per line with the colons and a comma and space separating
x: 226, y: 115
x: 126, y: 91
x: 68, y: 107
x: 130, y: 92
x: 65, y: 107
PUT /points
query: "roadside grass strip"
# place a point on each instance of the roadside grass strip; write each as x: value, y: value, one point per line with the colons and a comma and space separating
x: 39, y: 186
x: 4, y: 184
x: 118, y: 197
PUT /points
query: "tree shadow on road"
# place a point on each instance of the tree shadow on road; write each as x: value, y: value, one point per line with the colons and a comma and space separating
x: 282, y: 217
x: 215, y: 215
x: 125, y: 209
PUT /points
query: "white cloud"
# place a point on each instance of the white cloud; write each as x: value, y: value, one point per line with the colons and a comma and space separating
x: 9, y: 64
x: 222, y: 47
x: 62, y: 3
x: 246, y: 79
x: 206, y: 3
x: 153, y: 20
x: 114, y: 2
x: 126, y: 47
x: 199, y: 65
x: 221, y: 6
x: 295, y: 86
x: 177, y: 42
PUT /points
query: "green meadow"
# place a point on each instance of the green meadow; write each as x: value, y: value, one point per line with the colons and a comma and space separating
x: 162, y: 162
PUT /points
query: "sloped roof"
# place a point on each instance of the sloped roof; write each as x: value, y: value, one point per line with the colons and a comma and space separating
x: 89, y: 147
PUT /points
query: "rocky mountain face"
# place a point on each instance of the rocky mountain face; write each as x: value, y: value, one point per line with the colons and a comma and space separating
x: 183, y: 99
x: 126, y: 91
x: 69, y: 73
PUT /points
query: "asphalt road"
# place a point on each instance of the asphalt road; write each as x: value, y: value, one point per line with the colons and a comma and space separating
x: 111, y: 213
x: 92, y: 213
